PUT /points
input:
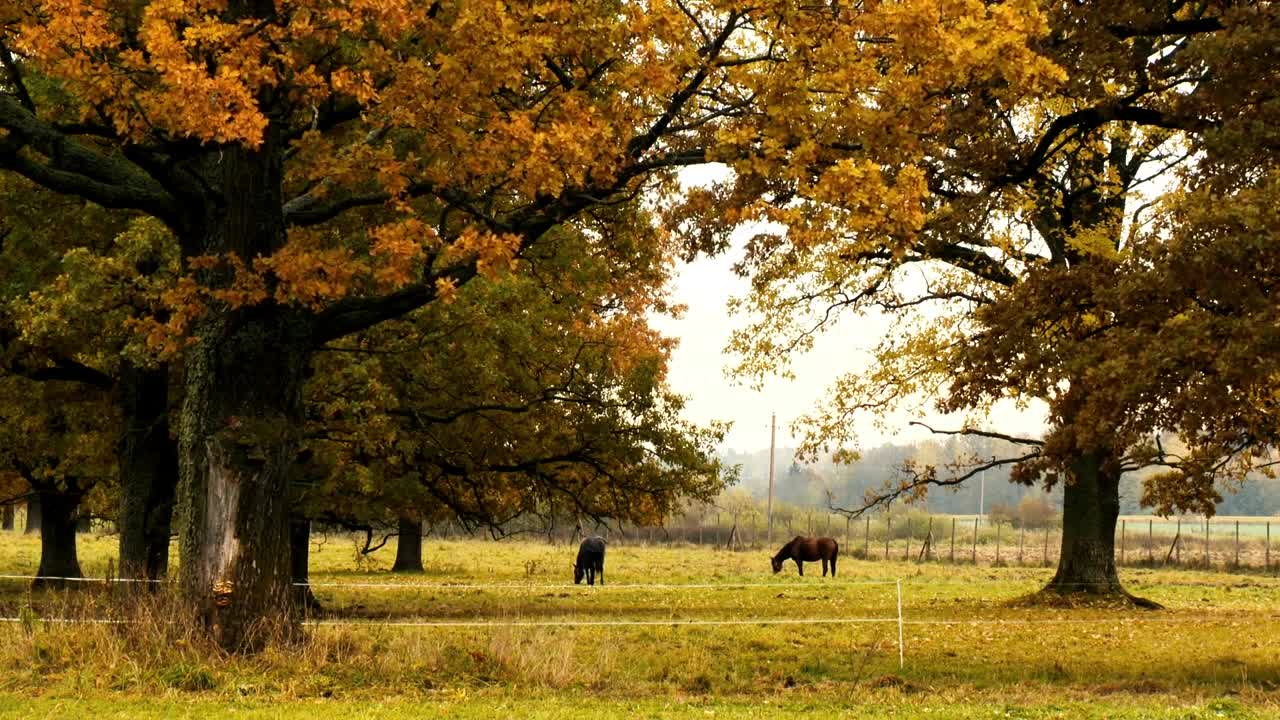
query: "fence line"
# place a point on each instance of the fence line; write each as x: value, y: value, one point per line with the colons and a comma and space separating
x: 1221, y: 544
x: 918, y: 582
x: 900, y: 618
x: 601, y: 623
x: 615, y: 586
x: 1138, y: 619
x: 478, y: 586
x: 80, y: 579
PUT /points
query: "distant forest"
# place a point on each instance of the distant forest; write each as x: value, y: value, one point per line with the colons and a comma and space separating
x: 807, y: 485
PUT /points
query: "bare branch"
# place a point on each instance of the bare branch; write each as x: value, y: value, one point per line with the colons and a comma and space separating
x: 981, y: 433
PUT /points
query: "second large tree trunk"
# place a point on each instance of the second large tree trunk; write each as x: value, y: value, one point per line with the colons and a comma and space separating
x: 57, y: 538
x: 6, y: 517
x: 299, y: 564
x: 409, y: 547
x: 148, y: 462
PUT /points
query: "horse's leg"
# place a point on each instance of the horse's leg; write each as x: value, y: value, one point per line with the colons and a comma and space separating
x: 824, y: 567
x: 601, y: 572
x: 800, y: 565
x: 834, y: 554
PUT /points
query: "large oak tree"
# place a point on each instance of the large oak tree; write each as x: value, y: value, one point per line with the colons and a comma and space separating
x: 1021, y: 224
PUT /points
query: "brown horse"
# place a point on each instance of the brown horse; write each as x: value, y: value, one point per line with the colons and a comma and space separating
x: 807, y: 549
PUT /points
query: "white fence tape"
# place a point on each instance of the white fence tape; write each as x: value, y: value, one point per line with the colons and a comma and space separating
x: 79, y: 579
x: 674, y: 622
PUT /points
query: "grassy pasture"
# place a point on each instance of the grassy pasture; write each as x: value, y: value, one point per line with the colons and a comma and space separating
x: 970, y: 649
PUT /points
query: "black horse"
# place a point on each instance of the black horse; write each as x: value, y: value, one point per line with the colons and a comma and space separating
x: 807, y: 549
x: 590, y: 561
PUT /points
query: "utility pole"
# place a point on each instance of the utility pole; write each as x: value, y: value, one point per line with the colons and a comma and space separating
x: 773, y: 437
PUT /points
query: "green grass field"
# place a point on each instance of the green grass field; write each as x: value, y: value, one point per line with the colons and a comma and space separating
x: 970, y: 648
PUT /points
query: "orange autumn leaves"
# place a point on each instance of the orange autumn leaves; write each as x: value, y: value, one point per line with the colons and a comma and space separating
x: 309, y: 274
x: 477, y: 110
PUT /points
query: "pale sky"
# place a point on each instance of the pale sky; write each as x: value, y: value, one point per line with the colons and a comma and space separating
x: 699, y: 365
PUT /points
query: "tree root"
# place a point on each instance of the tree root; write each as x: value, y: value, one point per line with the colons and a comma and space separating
x: 1116, y: 598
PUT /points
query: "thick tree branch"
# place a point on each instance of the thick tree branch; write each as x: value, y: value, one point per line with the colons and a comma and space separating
x: 70, y: 370
x: 981, y: 433
x: 356, y: 314
x: 76, y: 169
x: 1089, y: 119
x: 918, y: 480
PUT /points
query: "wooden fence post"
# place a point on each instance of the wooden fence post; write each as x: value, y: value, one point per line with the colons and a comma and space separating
x: 906, y: 555
x: 848, y: 541
x: 1206, y: 543
x: 1022, y: 538
x: 998, y: 527
x: 1177, y: 543
x: 866, y: 541
x: 928, y: 542
x: 1045, y: 560
x: 888, y: 530
x: 1268, y: 558
x: 975, y: 541
x: 953, y: 541
x: 1151, y: 542
x: 1237, y: 544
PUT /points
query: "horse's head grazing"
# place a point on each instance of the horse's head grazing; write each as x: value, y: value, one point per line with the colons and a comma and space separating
x: 577, y: 573
x: 777, y: 565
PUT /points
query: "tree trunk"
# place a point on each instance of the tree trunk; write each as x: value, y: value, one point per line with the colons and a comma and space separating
x: 409, y: 547
x: 6, y: 517
x: 57, y: 538
x: 33, y: 514
x: 299, y: 561
x: 1091, y: 506
x: 241, y: 418
x: 240, y: 426
x: 148, y: 461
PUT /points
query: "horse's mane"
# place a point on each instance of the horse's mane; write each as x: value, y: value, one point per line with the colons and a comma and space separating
x: 785, y: 552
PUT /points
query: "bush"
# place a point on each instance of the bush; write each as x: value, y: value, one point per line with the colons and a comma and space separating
x: 1001, y: 513
x: 1035, y: 512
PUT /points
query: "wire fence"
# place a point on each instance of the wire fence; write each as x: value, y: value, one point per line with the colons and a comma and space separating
x: 902, y: 591
x: 1188, y: 542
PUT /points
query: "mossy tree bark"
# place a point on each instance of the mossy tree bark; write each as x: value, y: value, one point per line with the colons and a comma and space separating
x: 6, y: 517
x: 408, y: 546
